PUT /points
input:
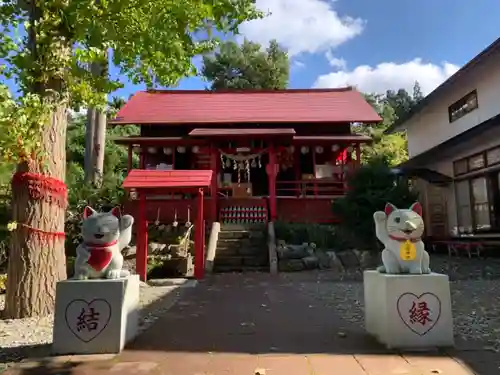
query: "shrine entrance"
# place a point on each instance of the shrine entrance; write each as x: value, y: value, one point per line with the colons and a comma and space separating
x: 144, y: 184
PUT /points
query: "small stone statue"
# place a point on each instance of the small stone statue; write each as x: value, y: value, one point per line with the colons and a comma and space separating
x: 401, y: 230
x: 105, y: 235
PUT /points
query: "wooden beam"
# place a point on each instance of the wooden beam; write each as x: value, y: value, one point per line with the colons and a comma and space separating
x: 141, y: 256
x: 199, y: 241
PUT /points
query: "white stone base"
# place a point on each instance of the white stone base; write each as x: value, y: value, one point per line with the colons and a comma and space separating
x: 388, y: 310
x: 116, y: 302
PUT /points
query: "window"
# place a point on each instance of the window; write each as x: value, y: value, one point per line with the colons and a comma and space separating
x: 460, y: 167
x: 493, y: 156
x: 462, y: 191
x: 476, y: 162
x: 463, y: 106
x: 481, y: 205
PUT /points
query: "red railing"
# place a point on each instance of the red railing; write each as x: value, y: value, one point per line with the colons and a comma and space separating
x: 310, y: 188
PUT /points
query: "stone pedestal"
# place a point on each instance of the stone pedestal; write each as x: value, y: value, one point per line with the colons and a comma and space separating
x: 408, y: 311
x: 95, y: 316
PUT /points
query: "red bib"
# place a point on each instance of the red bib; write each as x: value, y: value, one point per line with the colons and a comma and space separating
x: 100, y: 255
x: 99, y: 258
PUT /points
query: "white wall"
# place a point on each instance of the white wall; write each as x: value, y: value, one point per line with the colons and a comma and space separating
x: 488, y: 139
x: 431, y: 126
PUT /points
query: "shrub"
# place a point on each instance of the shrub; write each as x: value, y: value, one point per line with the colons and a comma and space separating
x: 370, y: 188
x: 3, y: 283
x: 324, y: 236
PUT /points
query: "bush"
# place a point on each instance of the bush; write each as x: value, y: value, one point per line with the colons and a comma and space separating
x: 100, y: 199
x: 324, y: 236
x: 3, y: 283
x: 370, y: 188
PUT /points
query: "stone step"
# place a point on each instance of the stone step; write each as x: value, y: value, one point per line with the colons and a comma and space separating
x: 242, y: 242
x: 243, y: 227
x: 228, y: 234
x: 257, y: 251
x: 239, y: 260
x: 239, y: 269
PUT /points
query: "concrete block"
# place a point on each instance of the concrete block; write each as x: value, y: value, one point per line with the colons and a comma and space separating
x: 95, y: 316
x: 408, y: 311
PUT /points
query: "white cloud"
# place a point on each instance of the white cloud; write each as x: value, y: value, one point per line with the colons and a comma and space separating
x: 302, y: 26
x: 297, y: 64
x: 335, y: 62
x: 390, y: 75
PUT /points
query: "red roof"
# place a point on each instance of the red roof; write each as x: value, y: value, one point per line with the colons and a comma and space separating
x: 332, y: 138
x: 230, y: 107
x: 155, y: 179
x: 240, y: 132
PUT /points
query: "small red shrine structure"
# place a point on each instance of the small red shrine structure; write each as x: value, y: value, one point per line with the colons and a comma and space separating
x: 147, y: 183
x: 275, y: 155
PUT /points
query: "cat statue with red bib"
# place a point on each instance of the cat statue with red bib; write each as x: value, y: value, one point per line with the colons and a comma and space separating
x: 400, y: 231
x: 105, y: 235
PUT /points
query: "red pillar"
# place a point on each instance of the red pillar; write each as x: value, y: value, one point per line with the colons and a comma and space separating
x: 213, y: 185
x: 271, y: 173
x: 141, y: 256
x: 199, y: 240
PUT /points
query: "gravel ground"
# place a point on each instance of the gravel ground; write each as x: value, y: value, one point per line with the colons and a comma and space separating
x: 22, y: 338
x: 475, y: 289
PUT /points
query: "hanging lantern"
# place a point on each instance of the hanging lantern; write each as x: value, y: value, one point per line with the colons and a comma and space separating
x: 136, y: 149
x: 181, y: 149
x: 133, y: 195
x: 304, y: 149
x: 167, y: 150
x: 228, y: 163
x: 335, y: 148
x: 152, y: 150
x: 350, y: 149
x: 253, y: 164
x: 319, y: 149
x: 196, y: 149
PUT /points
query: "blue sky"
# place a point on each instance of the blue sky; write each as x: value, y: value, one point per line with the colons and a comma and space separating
x: 375, y: 45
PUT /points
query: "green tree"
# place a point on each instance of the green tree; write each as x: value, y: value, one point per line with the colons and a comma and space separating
x: 391, y: 148
x: 417, y: 93
x: 247, y: 66
x: 115, y: 105
x: 392, y: 107
x: 151, y: 42
x: 402, y: 102
x: 370, y: 188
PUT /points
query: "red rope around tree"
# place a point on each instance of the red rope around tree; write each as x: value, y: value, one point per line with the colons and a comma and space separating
x: 44, y: 188
x: 44, y: 233
x: 41, y: 187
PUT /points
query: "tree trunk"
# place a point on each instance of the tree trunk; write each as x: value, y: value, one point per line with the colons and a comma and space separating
x: 89, y: 145
x: 99, y: 147
x: 96, y: 135
x: 36, y: 257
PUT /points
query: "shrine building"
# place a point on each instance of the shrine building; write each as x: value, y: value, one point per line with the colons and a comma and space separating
x: 275, y: 155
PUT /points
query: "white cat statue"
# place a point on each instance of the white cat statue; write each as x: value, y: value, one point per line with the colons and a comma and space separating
x: 105, y: 235
x: 401, y: 230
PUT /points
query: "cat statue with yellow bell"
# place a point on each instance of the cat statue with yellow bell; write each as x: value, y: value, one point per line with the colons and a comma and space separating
x: 400, y: 231
x: 406, y: 305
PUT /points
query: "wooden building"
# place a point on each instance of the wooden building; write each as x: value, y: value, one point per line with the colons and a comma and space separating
x: 276, y: 155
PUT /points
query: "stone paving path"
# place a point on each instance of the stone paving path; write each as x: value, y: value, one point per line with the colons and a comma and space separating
x: 257, y: 324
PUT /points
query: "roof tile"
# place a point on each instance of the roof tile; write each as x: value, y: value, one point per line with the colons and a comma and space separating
x: 283, y: 106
